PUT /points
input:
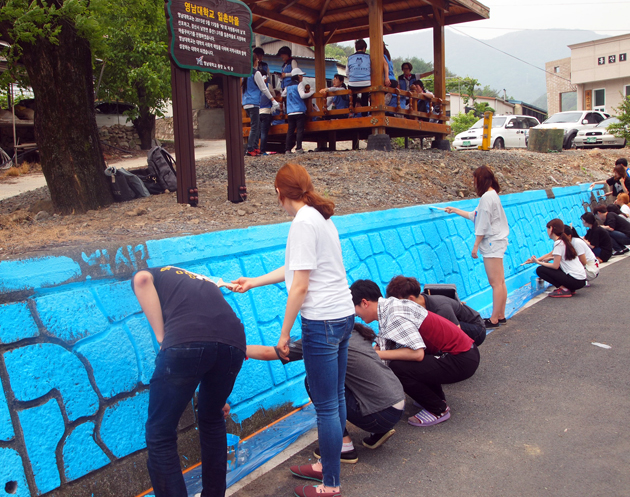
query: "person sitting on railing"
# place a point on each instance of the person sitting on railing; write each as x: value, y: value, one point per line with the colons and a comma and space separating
x: 288, y: 65
x: 405, y: 80
x: 390, y: 79
x: 336, y: 102
x: 358, y: 72
x: 296, y: 92
x: 253, y: 89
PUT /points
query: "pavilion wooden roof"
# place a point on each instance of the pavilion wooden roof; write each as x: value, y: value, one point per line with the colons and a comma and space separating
x: 344, y: 20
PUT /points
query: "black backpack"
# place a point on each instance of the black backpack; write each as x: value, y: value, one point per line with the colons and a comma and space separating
x: 160, y: 164
x: 125, y: 186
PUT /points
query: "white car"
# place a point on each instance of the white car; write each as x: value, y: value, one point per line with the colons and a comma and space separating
x: 508, y: 131
x: 572, y: 122
x: 599, y: 136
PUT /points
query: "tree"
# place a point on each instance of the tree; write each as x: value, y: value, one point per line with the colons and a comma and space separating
x: 136, y: 68
x: 622, y: 128
x: 339, y: 52
x: 51, y: 38
x: 462, y: 122
x: 481, y: 108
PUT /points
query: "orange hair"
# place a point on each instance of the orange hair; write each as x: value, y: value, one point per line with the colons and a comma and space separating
x: 294, y: 182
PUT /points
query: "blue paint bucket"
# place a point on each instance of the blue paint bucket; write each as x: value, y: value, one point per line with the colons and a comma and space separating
x: 232, y: 451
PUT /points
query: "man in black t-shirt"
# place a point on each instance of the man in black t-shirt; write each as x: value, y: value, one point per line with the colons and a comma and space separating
x: 202, y: 344
x: 456, y: 312
x: 617, y: 226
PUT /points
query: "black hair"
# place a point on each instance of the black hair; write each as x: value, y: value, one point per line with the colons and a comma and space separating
x: 589, y: 217
x: 600, y: 208
x: 365, y: 289
x: 259, y: 51
x: 365, y: 332
x: 623, y: 161
x: 570, y: 231
x: 407, y: 64
x: 360, y: 45
x: 613, y: 208
x: 402, y: 287
x: 340, y: 77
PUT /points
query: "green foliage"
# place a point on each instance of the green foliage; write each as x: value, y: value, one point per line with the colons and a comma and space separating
x: 339, y: 52
x: 486, y: 91
x: 622, y: 128
x: 481, y: 108
x: 462, y: 122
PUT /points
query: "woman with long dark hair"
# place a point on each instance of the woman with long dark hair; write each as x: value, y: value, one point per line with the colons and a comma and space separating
x: 491, y: 238
x: 597, y: 237
x: 562, y: 267
x: 318, y: 289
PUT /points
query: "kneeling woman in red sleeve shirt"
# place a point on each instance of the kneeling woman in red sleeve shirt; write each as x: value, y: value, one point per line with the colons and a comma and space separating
x: 424, y: 350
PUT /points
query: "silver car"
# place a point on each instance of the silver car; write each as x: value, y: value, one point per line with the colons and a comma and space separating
x: 599, y: 136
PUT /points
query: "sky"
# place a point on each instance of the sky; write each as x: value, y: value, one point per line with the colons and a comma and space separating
x: 607, y: 17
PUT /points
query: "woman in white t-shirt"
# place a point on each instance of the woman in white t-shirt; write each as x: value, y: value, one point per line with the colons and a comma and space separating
x: 564, y: 269
x: 584, y: 253
x: 318, y: 289
x: 491, y: 238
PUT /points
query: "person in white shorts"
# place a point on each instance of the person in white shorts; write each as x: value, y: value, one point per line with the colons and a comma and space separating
x: 491, y: 238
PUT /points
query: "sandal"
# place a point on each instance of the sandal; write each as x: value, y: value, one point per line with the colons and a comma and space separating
x: 425, y: 418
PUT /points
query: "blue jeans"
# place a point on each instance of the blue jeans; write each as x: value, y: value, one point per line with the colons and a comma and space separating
x: 619, y: 240
x: 379, y: 422
x: 325, y: 349
x: 178, y: 371
x: 254, y: 132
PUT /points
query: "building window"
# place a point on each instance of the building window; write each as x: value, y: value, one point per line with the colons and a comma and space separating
x: 556, y: 69
x: 599, y: 99
x: 628, y: 91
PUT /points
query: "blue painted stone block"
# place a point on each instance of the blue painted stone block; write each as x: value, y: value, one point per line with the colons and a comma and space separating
x: 376, y: 243
x: 387, y: 267
x: 81, y: 454
x: 145, y: 347
x: 118, y: 300
x: 11, y: 469
x: 362, y: 246
x: 350, y: 258
x: 34, y: 370
x: 113, y: 360
x: 36, y: 273
x: 431, y: 234
x: 6, y: 428
x: 71, y: 315
x: 16, y: 323
x: 406, y: 236
x: 43, y: 428
x: 254, y: 378
x: 393, y: 245
x: 122, y: 428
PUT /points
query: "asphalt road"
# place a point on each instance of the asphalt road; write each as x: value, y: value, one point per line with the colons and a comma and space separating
x: 545, y: 414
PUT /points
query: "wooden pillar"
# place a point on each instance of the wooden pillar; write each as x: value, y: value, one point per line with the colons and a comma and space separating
x: 237, y: 191
x: 376, y: 57
x: 184, y: 136
x: 439, y: 59
x: 320, y: 69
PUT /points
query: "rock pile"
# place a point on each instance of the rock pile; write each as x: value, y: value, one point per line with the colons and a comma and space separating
x: 120, y: 136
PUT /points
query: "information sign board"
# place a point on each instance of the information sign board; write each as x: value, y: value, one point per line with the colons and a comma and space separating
x: 211, y: 35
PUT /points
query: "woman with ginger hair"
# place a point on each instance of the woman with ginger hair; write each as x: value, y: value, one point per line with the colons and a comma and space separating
x: 622, y: 200
x: 491, y: 238
x: 318, y: 289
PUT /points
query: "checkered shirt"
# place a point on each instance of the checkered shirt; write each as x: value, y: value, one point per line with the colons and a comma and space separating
x: 399, y: 323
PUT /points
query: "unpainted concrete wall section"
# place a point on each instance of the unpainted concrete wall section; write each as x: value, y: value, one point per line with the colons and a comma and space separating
x: 76, y: 353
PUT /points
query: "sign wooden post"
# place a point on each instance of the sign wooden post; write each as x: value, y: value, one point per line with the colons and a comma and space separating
x: 211, y: 36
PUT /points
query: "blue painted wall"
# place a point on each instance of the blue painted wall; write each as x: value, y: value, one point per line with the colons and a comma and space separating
x: 77, y: 354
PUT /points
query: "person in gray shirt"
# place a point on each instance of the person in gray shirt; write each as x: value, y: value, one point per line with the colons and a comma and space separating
x: 456, y: 312
x: 375, y: 399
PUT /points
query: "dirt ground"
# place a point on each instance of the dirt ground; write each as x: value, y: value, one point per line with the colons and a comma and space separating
x: 356, y: 181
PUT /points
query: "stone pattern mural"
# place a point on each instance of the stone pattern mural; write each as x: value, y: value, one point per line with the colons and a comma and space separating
x: 77, y: 354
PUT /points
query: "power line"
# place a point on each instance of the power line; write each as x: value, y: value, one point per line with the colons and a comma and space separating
x: 510, y: 55
x: 550, y: 29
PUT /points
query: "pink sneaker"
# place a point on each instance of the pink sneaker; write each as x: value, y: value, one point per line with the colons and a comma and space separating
x: 425, y: 418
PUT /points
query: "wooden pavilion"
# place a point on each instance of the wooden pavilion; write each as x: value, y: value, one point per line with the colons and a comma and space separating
x: 319, y: 22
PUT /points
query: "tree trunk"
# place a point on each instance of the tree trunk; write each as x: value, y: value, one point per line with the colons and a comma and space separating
x: 65, y: 121
x: 145, y: 126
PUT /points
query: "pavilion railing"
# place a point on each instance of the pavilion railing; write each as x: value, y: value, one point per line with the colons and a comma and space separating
x: 409, y: 112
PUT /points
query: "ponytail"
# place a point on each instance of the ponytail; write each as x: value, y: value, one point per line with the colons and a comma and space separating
x: 365, y: 332
x: 557, y: 228
x: 294, y: 182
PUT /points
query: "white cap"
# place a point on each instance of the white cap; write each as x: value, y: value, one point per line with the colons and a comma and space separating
x: 297, y: 72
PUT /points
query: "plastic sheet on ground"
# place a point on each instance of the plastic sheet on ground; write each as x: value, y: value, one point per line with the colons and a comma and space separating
x: 516, y: 300
x: 257, y: 450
